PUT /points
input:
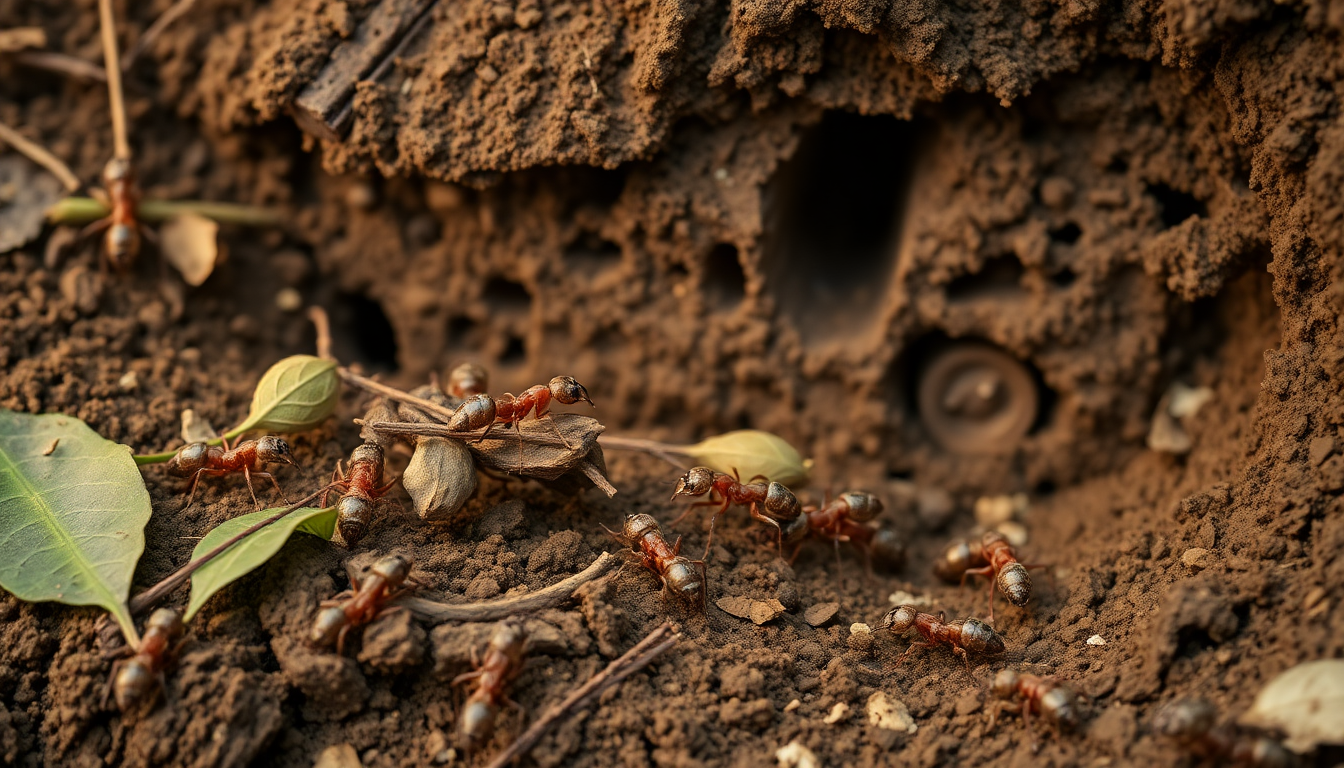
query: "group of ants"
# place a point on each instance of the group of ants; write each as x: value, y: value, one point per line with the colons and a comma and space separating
x: 846, y: 518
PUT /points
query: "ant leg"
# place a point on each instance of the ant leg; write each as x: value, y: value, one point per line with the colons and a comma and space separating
x: 340, y: 640
x: 196, y: 479
x: 988, y: 573
x: 556, y: 428
x: 796, y: 550
x: 911, y: 650
x: 704, y: 582
x: 709, y: 542
x: 247, y: 475
x: 485, y: 432
x: 676, y: 547
x: 964, y: 657
x: 836, y: 541
x: 1031, y: 733
x: 691, y: 509
x: 271, y: 477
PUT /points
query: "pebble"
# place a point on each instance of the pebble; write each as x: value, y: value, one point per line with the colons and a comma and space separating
x: 890, y: 714
x: 901, y: 597
x: 1097, y: 640
x: 792, y: 705
x: 288, y: 300
x: 990, y: 511
x: 1014, y: 532
x: 1196, y: 558
x: 795, y: 755
x: 860, y: 629
x: 338, y: 756
x: 820, y: 613
x: 839, y: 712
x: 129, y: 381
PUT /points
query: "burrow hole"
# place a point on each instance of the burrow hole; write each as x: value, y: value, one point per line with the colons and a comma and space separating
x: 725, y: 281
x: 362, y: 333
x: 1177, y: 206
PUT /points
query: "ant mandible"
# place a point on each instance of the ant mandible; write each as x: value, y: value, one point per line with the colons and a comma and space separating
x: 841, y: 519
x: 361, y: 486
x: 1192, y: 723
x: 963, y: 635
x: 778, y: 502
x: 388, y: 579
x: 681, y: 576
x: 502, y: 663
x: 248, y: 457
x: 1042, y: 696
x: 1003, y: 570
x: 138, y: 680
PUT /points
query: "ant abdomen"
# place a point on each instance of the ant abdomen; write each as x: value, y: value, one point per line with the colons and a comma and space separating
x: 888, y: 548
x: 327, y: 627
x: 863, y: 506
x: 474, y: 414
x: 476, y: 724
x: 979, y: 637
x: 781, y: 504
x: 353, y: 517
x: 1015, y: 583
x: 188, y: 460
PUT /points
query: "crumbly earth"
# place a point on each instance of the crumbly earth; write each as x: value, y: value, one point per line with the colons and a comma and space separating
x: 766, y: 214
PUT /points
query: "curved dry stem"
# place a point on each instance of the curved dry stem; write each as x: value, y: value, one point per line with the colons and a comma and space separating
x: 494, y: 610
x: 322, y: 325
x: 177, y: 11
x: 672, y: 454
x: 396, y: 395
x: 39, y: 154
x: 62, y: 64
x: 121, y: 139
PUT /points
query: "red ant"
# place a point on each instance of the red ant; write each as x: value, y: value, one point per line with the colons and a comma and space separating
x: 1003, y: 570
x: 1042, y: 696
x: 361, y: 485
x: 841, y: 519
x: 466, y: 380
x: 502, y: 663
x: 1192, y: 723
x: 248, y: 457
x: 679, y: 575
x: 957, y: 558
x: 963, y: 635
x: 483, y: 412
x: 387, y: 580
x: 778, y: 502
x: 121, y: 243
x: 138, y: 680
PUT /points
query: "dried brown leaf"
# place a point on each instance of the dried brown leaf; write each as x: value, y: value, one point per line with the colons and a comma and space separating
x: 26, y: 192
x: 190, y: 243
x: 500, y: 451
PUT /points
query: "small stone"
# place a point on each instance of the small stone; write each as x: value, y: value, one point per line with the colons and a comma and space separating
x: 860, y: 629
x: 527, y: 18
x: 990, y: 511
x: 196, y: 429
x: 839, y: 712
x: 288, y: 300
x: 792, y: 705
x: 795, y: 755
x: 1057, y: 192
x: 1316, y: 595
x: 338, y: 756
x: 890, y: 714
x: 1197, y: 558
x: 361, y: 196
x: 820, y: 613
x: 436, y: 744
x: 935, y: 507
x: 487, y: 73
x: 721, y: 174
x: 244, y: 327
x: 901, y: 597
x: 1096, y: 640
x: 129, y: 381
x: 82, y: 288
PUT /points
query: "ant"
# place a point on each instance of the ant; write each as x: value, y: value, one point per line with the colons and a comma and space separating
x: 137, y: 681
x: 1043, y: 696
x: 957, y: 558
x: 121, y: 241
x: 1192, y: 724
x: 502, y: 663
x: 388, y: 579
x: 361, y: 485
x: 466, y: 380
x: 681, y: 576
x: 779, y: 502
x: 841, y: 519
x: 1002, y: 569
x: 483, y: 412
x: 963, y: 635
x: 248, y: 457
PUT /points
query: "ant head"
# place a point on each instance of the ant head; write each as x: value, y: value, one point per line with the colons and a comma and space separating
x: 888, y: 548
x: 862, y: 506
x: 953, y: 562
x: 1005, y: 684
x: 780, y: 503
x: 327, y: 627
x: 117, y: 169
x: 166, y: 620
x: 1061, y: 705
x: 696, y: 482
x: 682, y: 578
x: 393, y: 568
x: 636, y: 526
x: 979, y: 637
x: 991, y: 537
x: 468, y: 379
x: 1185, y: 718
x: 795, y: 530
x: 134, y: 685
x: 122, y: 244
x: 273, y: 450
x: 475, y: 724
x: 1015, y: 583
x: 476, y: 412
x: 509, y: 637
x: 352, y: 518
x: 900, y: 618
x: 568, y: 391
x: 372, y: 452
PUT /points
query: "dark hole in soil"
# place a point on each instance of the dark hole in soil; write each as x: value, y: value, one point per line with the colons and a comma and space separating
x: 362, y: 333
x: 1118, y: 165
x: 458, y: 328
x: 1000, y: 276
x: 1067, y: 234
x: 1177, y: 206
x: 1043, y: 488
x: 592, y: 253
x: 1064, y: 277
x: 725, y: 282
x: 505, y: 295
x: 514, y: 352
x: 834, y: 213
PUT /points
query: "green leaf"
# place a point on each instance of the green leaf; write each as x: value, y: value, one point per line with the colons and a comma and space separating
x: 72, y: 518
x: 251, y: 552
x: 751, y: 452
x: 296, y: 394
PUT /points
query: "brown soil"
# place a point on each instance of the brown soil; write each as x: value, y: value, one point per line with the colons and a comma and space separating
x: 767, y: 214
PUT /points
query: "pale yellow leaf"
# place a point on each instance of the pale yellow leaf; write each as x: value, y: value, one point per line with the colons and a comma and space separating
x: 191, y: 244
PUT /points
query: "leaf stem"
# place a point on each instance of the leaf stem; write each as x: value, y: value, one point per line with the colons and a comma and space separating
x: 82, y: 210
x: 633, y: 660
x: 672, y: 454
x: 437, y: 613
x: 392, y: 393
x: 151, y: 597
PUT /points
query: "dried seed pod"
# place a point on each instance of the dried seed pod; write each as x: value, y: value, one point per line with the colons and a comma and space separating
x: 381, y: 410
x: 440, y: 478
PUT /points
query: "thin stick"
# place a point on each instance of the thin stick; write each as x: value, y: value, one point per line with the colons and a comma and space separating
x: 556, y: 594
x: 111, y: 63
x: 600, y: 480
x: 439, y: 430
x: 635, y: 659
x: 322, y: 325
x: 177, y: 11
x: 392, y: 393
x: 672, y: 454
x: 39, y: 154
x: 62, y: 64
x: 141, y: 603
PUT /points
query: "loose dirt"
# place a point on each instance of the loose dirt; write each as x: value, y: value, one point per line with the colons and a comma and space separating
x: 775, y: 215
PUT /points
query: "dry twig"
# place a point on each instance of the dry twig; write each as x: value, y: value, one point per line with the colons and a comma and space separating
x: 556, y: 594
x: 111, y: 63
x: 62, y: 64
x: 635, y: 659
x: 177, y: 11
x: 322, y: 325
x: 39, y: 154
